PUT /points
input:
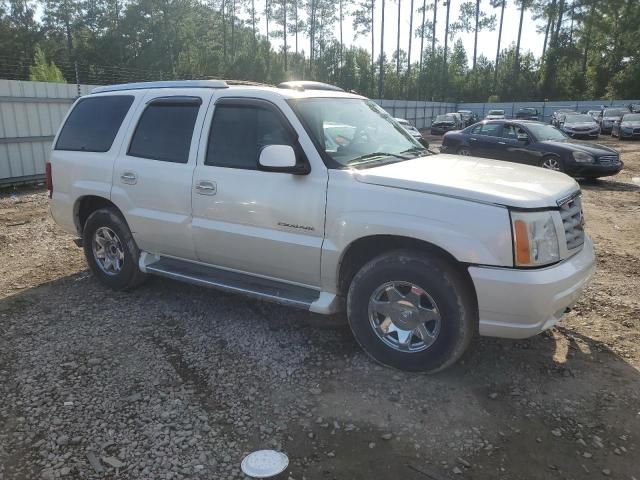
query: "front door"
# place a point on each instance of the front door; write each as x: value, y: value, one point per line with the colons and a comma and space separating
x: 488, y: 142
x: 153, y: 173
x: 264, y: 223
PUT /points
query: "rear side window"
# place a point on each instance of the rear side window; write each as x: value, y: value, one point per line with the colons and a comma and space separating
x: 164, y: 131
x: 93, y: 124
x: 238, y: 133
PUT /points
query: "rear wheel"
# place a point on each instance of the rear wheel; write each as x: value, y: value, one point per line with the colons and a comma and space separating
x: 411, y: 311
x: 552, y: 163
x: 464, y: 151
x: 110, y: 250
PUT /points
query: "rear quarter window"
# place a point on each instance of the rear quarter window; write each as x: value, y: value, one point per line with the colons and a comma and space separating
x: 93, y: 123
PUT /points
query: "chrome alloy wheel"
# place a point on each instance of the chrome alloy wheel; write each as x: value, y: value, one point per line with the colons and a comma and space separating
x: 404, y: 316
x: 551, y: 164
x: 108, y: 251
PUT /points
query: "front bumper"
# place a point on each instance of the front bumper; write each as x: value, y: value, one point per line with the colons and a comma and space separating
x: 582, y: 134
x: 522, y: 303
x: 593, y: 169
x: 629, y: 133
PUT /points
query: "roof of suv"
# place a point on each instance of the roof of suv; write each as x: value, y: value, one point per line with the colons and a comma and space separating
x: 285, y: 90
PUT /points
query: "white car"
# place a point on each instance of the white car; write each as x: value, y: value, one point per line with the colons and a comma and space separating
x: 233, y: 187
x: 495, y: 115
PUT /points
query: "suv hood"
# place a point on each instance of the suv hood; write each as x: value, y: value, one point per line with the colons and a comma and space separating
x: 475, y: 179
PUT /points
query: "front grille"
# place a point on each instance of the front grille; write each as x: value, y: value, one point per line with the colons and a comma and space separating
x: 609, y: 159
x: 571, y: 213
x: 636, y: 130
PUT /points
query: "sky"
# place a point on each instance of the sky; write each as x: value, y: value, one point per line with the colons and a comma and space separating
x: 487, y: 41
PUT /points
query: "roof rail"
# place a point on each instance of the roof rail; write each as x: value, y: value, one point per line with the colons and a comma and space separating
x: 162, y: 84
x: 250, y: 83
x: 303, y: 85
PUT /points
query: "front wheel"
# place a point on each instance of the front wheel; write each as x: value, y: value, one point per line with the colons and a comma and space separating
x: 411, y: 311
x: 110, y: 250
x: 552, y: 163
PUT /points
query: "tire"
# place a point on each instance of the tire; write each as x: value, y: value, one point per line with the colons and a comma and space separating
x: 548, y: 161
x: 445, y: 297
x: 464, y: 151
x: 118, y: 268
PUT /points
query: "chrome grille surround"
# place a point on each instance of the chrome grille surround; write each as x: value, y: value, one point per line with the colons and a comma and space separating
x: 572, y: 220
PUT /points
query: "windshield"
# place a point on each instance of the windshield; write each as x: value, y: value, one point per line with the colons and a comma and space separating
x: 356, y: 131
x: 545, y: 132
x: 613, y: 112
x: 444, y: 118
x: 578, y: 118
x: 631, y: 118
x: 527, y: 110
x: 496, y: 112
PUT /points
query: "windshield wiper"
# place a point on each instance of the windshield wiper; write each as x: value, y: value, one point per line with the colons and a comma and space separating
x: 370, y: 157
x: 416, y: 150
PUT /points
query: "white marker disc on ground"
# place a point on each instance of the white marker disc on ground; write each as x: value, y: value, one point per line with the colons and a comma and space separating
x: 264, y: 464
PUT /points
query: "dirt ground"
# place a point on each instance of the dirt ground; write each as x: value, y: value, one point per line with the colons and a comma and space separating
x: 175, y: 381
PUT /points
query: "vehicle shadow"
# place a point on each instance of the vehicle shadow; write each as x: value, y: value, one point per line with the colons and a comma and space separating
x: 513, y: 409
x: 608, y: 185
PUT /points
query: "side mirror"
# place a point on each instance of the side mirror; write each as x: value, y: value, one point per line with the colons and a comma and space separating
x: 523, y: 139
x: 280, y: 158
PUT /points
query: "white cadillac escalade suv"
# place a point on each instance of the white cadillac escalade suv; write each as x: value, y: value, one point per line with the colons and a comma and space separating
x: 316, y: 198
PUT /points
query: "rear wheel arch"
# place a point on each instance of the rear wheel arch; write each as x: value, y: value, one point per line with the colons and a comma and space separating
x: 88, y: 204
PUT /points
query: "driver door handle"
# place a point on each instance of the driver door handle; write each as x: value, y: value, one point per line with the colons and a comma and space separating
x: 502, y: 143
x: 205, y: 187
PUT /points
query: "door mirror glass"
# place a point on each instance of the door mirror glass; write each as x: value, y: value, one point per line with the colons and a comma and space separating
x: 277, y: 158
x: 523, y: 137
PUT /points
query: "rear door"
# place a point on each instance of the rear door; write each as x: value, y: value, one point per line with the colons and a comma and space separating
x: 153, y: 174
x: 488, y: 142
x: 264, y: 223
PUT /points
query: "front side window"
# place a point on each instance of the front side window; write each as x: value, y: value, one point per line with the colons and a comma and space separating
x: 165, y: 130
x: 239, y: 132
x: 93, y: 124
x: 354, y: 131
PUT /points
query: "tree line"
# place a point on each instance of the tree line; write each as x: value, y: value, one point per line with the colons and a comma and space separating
x: 591, y: 48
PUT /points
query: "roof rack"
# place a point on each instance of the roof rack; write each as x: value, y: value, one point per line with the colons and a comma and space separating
x: 250, y: 83
x: 162, y: 84
x: 309, y: 85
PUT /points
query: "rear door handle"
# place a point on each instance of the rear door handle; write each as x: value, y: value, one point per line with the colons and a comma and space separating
x: 205, y: 187
x: 129, y: 177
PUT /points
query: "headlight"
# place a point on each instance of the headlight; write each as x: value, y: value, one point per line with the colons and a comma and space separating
x: 582, y: 157
x: 535, y: 239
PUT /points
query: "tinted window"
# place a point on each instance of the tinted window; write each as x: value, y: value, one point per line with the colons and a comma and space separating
x: 238, y: 133
x: 476, y: 129
x: 491, y: 129
x: 514, y: 132
x: 94, y: 123
x: 164, y: 132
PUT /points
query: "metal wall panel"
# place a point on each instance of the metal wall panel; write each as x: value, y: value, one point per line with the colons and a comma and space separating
x: 30, y: 114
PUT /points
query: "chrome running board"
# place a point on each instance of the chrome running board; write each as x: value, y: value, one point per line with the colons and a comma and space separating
x: 230, y: 281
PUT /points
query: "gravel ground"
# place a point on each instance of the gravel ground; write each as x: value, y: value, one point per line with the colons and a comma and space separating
x: 175, y: 381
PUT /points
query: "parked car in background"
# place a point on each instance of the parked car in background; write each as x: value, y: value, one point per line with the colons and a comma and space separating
x: 446, y: 122
x: 495, y: 115
x: 533, y: 143
x: 627, y: 127
x: 234, y: 188
x: 579, y: 125
x: 413, y: 131
x: 609, y: 117
x: 468, y: 117
x: 528, y: 113
x: 635, y: 108
x: 595, y: 114
x: 555, y: 118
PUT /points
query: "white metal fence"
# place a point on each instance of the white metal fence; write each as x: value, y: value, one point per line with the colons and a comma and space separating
x: 30, y: 113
